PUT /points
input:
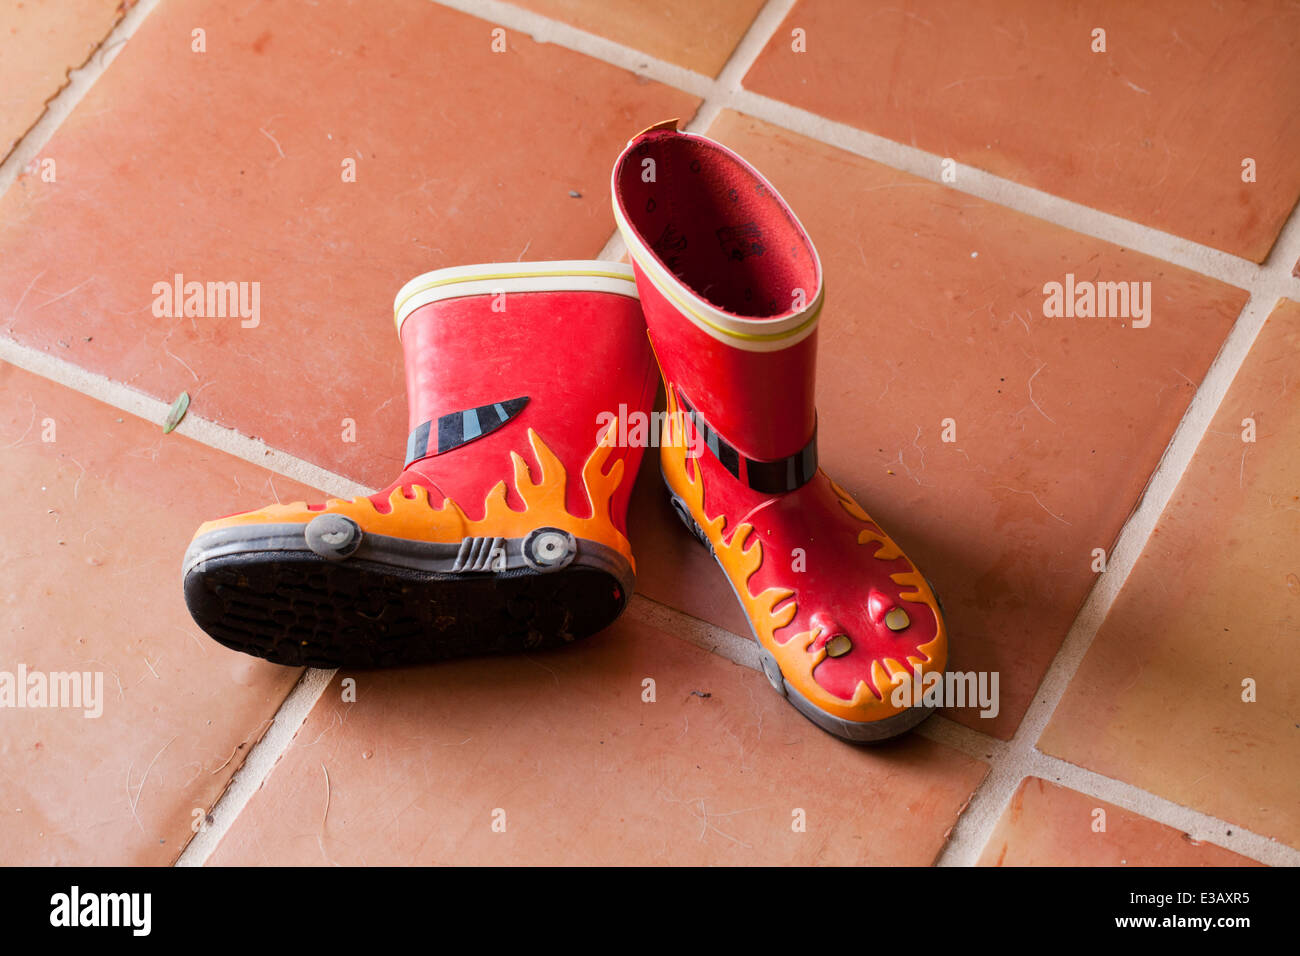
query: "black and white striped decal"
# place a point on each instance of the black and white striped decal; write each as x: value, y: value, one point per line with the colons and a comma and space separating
x: 459, y: 428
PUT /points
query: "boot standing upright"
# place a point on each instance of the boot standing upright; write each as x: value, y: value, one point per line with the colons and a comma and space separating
x: 731, y: 288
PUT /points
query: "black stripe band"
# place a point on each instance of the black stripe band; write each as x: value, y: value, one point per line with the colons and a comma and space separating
x: 766, y: 477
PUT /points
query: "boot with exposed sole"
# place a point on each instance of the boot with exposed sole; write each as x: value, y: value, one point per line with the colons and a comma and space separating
x: 506, y: 529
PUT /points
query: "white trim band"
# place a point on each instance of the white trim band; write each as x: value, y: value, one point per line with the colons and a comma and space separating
x: 491, y: 278
x: 752, y: 335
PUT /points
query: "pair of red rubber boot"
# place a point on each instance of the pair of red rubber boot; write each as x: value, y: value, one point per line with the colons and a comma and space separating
x: 506, y: 530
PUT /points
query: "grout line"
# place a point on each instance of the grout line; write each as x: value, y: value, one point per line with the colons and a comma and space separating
x: 295, y: 708
x: 1022, y: 758
x: 545, y: 30
x: 1006, y: 770
x: 970, y: 180
x: 743, y: 651
x: 199, y: 429
x: 79, y: 83
x: 1199, y: 826
x: 727, y: 92
x: 716, y: 640
x: 257, y: 766
x: 297, y: 705
x: 942, y: 729
x: 1011, y: 761
x: 615, y: 249
x: 725, y: 88
x: 716, y: 94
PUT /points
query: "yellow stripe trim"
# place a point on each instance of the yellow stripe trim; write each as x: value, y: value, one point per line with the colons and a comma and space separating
x: 751, y: 336
x: 506, y: 275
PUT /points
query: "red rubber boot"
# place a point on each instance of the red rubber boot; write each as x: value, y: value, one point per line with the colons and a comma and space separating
x: 507, y: 528
x: 731, y: 287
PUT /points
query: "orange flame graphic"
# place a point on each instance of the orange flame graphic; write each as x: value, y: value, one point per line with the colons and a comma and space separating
x: 775, y: 607
x: 412, y: 515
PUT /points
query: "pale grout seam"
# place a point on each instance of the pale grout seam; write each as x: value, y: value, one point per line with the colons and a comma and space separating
x: 743, y: 651
x: 1143, y: 239
x: 724, y: 89
x: 1223, y: 266
x: 62, y: 104
x: 542, y: 30
x: 985, y: 808
x: 970, y: 180
x: 976, y: 824
x: 715, y: 94
x: 1181, y: 252
x: 726, y: 92
x: 257, y: 766
x: 192, y: 426
x: 294, y: 709
x: 1010, y: 762
x: 1197, y: 825
x: 716, y: 640
x: 545, y: 30
x: 1005, y: 770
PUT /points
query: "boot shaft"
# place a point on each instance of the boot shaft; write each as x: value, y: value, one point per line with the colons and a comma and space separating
x: 731, y: 288
x: 567, y: 348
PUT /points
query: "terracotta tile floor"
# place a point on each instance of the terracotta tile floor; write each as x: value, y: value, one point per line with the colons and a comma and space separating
x: 1048, y: 825
x: 1155, y: 128
x: 435, y: 189
x: 713, y: 771
x: 697, y: 34
x: 91, y: 546
x: 1059, y: 421
x: 40, y: 41
x: 1213, y: 603
x: 233, y: 170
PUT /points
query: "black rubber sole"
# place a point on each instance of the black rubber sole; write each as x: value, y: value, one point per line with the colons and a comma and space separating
x: 299, y: 609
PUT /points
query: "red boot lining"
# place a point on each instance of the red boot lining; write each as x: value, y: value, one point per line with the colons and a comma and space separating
x: 717, y: 227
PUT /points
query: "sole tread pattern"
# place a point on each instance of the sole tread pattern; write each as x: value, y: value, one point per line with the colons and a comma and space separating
x: 301, y: 610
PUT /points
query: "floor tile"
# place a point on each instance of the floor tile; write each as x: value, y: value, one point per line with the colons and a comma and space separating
x: 697, y: 34
x: 97, y: 511
x: 935, y: 310
x: 461, y: 155
x: 1155, y: 129
x: 1050, y: 825
x: 562, y: 748
x: 40, y: 41
x: 1213, y: 602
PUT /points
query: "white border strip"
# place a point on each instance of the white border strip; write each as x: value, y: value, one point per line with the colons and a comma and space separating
x: 490, y: 278
x: 753, y: 335
x: 79, y: 83
x: 727, y: 92
x: 257, y: 765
